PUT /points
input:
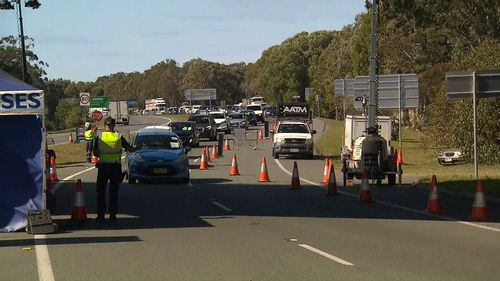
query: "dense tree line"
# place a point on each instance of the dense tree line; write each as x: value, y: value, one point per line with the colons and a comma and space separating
x: 415, y: 36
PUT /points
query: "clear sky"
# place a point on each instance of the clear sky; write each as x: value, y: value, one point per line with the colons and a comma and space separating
x: 84, y: 39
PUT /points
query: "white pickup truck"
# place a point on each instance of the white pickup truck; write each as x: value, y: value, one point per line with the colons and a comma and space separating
x: 293, y: 137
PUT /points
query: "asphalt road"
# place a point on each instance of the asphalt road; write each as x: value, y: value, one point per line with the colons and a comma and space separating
x: 221, y: 227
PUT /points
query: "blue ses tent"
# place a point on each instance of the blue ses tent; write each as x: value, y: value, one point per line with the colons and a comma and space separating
x: 22, y: 152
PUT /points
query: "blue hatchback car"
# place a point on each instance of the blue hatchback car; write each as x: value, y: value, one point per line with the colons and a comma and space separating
x: 160, y: 157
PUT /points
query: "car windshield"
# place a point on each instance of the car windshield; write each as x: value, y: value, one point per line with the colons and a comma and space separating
x: 293, y: 128
x: 218, y: 115
x: 181, y: 126
x: 157, y: 142
x: 235, y: 116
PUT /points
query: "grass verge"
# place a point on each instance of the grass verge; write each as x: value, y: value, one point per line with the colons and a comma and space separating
x: 69, y: 153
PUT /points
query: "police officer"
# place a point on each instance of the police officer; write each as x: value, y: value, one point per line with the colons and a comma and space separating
x: 108, y: 147
x: 89, y: 140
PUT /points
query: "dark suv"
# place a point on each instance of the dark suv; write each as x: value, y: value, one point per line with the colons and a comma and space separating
x: 205, y: 125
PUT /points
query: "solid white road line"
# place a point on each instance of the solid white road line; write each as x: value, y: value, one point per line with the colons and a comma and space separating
x: 397, y: 206
x: 222, y: 206
x: 326, y: 255
x: 45, y: 272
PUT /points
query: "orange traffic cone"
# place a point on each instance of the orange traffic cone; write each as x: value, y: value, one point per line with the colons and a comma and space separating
x: 234, y: 167
x: 434, y: 204
x: 203, y: 161
x: 332, y: 183
x: 79, y: 212
x: 214, y: 152
x: 207, y: 154
x: 399, y: 158
x: 70, y: 138
x: 479, y: 209
x: 326, y: 171
x: 53, y: 170
x: 261, y: 136
x: 264, y: 176
x: 226, y: 145
x: 365, y: 195
x: 295, y: 184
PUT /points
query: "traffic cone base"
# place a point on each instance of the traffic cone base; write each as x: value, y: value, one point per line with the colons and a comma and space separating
x: 264, y: 175
x: 214, y: 152
x: 295, y: 184
x: 226, y: 145
x: 434, y: 205
x: 207, y: 153
x: 203, y: 162
x: 332, y: 183
x: 365, y: 195
x: 326, y: 172
x: 479, y: 209
x: 79, y: 213
x: 234, y: 167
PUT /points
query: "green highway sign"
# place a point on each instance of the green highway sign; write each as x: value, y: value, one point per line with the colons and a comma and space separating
x: 99, y: 102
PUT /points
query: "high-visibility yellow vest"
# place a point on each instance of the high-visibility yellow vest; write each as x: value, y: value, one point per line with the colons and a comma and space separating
x: 110, y: 147
x: 89, y: 135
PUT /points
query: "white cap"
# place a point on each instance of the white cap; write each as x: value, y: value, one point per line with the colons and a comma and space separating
x: 87, y: 125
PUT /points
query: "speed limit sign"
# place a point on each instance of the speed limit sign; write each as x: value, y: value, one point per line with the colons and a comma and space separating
x: 84, y: 99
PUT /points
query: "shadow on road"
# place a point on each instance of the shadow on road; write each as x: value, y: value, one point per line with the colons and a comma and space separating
x: 179, y: 205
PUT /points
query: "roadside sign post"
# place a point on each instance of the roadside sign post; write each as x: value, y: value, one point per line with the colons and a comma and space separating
x: 466, y: 84
x: 84, y: 99
x: 97, y: 116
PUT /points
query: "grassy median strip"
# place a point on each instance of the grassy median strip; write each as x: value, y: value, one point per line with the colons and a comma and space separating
x: 69, y: 153
x: 419, y: 162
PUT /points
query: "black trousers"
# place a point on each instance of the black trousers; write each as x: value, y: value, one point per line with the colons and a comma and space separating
x: 113, y: 173
x: 88, y: 148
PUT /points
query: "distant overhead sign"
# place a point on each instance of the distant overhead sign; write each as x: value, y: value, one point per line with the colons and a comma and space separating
x: 460, y: 84
x: 392, y: 89
x: 201, y: 94
x: 343, y: 87
x: 99, y: 102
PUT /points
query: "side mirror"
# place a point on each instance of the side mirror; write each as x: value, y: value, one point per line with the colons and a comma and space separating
x: 187, y: 149
x: 314, y: 132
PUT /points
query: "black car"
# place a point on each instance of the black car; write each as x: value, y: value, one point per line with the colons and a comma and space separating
x: 186, y: 132
x: 250, y: 116
x: 270, y: 112
x: 205, y: 125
